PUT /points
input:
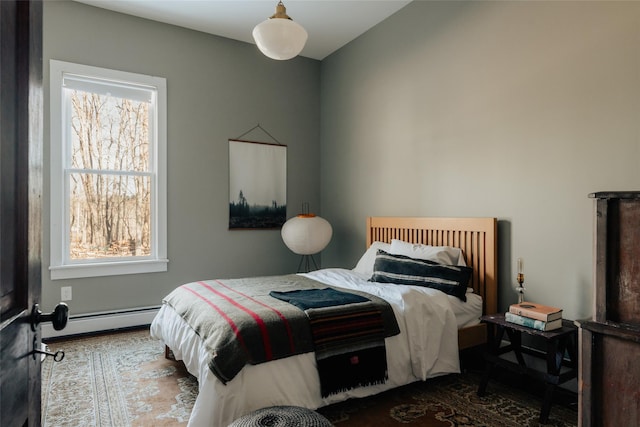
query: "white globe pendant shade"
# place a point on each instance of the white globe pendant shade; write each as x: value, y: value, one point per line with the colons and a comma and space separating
x: 279, y: 37
x: 306, y: 234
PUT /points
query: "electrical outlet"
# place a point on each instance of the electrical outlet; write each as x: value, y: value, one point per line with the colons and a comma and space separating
x: 65, y: 293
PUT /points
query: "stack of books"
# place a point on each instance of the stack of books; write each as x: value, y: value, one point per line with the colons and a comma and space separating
x: 537, y: 316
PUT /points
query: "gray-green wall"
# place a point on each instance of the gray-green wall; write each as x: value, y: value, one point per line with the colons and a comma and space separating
x: 217, y: 89
x: 516, y: 110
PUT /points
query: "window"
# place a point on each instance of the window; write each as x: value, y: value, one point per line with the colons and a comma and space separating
x: 108, y: 172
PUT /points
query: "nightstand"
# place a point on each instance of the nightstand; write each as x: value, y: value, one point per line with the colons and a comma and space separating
x: 558, y: 369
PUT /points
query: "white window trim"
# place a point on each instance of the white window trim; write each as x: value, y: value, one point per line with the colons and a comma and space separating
x: 59, y: 267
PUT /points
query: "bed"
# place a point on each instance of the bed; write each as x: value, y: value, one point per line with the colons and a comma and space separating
x: 429, y: 322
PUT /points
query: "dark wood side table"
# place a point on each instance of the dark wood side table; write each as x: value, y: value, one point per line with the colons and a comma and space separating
x: 557, y: 342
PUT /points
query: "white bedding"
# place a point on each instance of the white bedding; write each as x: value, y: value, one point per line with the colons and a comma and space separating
x: 426, y: 347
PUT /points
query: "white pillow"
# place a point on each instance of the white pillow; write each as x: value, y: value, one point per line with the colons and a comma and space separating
x: 365, y: 265
x: 441, y: 254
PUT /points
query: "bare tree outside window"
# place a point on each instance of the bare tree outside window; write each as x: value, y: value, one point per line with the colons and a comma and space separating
x: 109, y: 178
x: 108, y: 172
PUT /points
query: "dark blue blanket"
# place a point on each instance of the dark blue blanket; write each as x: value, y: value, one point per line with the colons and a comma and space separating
x: 305, y: 299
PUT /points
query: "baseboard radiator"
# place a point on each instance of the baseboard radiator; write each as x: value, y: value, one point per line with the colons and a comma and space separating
x: 83, y: 324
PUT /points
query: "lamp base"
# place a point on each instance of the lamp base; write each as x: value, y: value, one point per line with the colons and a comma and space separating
x: 305, y: 264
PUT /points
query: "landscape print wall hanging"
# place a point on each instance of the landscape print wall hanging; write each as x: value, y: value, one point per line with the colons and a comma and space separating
x: 257, y: 184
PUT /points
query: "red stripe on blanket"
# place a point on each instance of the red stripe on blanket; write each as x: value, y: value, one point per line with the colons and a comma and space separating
x: 234, y: 327
x: 263, y: 328
x: 343, y: 328
x: 292, y: 345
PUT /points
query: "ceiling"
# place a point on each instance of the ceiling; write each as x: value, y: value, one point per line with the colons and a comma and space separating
x: 330, y: 23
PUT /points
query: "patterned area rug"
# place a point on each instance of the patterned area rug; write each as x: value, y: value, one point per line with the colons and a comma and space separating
x: 449, y: 401
x: 123, y: 379
x: 115, y: 380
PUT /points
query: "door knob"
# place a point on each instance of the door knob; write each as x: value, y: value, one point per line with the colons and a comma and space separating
x: 58, y: 317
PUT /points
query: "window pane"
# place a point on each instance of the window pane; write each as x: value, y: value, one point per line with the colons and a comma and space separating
x: 108, y: 172
x: 109, y: 215
x: 108, y: 133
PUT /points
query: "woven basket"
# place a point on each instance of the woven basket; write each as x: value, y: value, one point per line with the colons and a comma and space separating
x: 282, y: 416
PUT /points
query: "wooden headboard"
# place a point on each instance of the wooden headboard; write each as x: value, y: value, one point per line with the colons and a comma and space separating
x: 477, y: 237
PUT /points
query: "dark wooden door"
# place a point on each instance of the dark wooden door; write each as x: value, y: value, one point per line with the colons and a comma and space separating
x: 20, y: 200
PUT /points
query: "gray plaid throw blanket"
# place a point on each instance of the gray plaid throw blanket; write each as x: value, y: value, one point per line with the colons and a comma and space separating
x: 240, y: 323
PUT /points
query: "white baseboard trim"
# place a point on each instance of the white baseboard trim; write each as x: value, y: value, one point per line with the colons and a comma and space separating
x: 104, y: 321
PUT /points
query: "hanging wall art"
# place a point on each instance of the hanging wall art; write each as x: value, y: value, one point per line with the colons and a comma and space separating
x: 257, y: 185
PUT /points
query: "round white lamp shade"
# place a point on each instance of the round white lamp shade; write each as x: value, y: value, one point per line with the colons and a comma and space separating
x: 306, y: 234
x: 280, y: 38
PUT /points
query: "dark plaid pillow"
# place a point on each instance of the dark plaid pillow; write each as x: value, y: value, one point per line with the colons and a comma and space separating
x: 403, y: 270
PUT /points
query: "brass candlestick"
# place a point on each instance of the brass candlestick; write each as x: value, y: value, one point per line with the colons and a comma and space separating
x: 520, y: 289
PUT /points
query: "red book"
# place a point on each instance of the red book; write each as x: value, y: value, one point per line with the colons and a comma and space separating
x: 532, y: 310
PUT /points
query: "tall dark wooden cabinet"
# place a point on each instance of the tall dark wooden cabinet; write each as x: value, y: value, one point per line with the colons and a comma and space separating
x: 609, y: 374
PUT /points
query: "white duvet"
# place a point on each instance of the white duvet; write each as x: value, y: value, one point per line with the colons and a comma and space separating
x: 427, y: 346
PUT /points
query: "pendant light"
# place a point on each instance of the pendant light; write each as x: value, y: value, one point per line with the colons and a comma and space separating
x: 279, y: 37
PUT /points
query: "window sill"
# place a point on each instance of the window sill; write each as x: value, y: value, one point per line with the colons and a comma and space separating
x: 107, y: 269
